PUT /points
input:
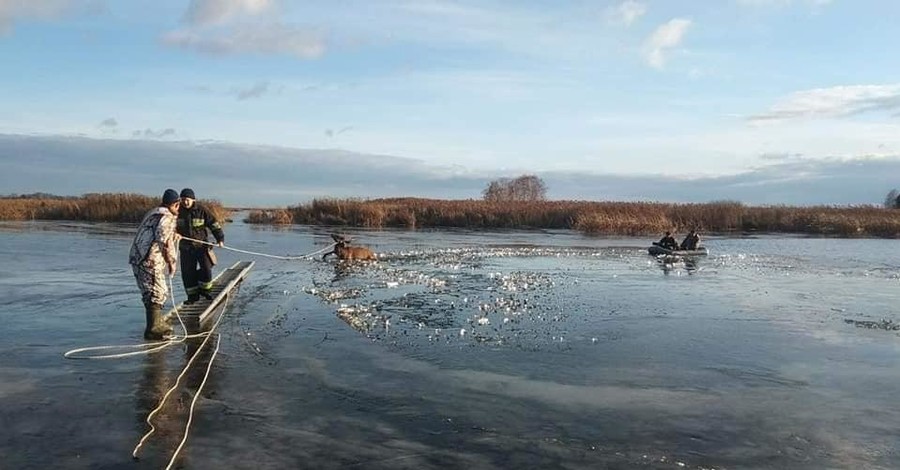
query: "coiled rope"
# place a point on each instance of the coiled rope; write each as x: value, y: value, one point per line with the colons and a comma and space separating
x: 142, y: 348
x: 150, y: 348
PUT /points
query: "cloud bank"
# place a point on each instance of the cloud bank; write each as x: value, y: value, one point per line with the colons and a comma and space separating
x: 242, y: 175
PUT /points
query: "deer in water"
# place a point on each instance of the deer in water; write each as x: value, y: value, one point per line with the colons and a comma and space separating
x: 349, y: 253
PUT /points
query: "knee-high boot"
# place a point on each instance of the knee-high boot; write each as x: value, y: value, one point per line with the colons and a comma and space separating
x: 156, y: 328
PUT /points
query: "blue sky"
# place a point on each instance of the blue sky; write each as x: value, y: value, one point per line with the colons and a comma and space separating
x: 673, y: 91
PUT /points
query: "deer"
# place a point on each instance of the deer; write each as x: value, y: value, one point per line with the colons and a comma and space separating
x: 349, y: 253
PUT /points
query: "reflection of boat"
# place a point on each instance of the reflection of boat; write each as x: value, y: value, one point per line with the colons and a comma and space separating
x: 660, y: 251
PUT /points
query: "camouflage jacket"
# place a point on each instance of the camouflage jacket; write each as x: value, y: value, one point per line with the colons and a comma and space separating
x: 155, y: 239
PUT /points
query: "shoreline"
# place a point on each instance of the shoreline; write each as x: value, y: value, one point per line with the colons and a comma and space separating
x: 596, y: 218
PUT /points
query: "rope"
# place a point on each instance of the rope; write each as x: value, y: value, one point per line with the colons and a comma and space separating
x: 306, y: 256
x: 150, y: 348
x: 158, y: 346
x: 165, y: 397
x: 143, y: 348
x: 187, y: 425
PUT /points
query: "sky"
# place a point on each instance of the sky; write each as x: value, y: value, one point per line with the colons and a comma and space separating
x: 268, y: 102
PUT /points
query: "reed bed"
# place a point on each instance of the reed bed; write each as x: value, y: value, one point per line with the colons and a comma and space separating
x: 601, y: 218
x: 97, y: 207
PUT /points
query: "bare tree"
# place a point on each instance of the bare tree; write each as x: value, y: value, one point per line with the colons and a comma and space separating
x: 523, y: 188
x: 892, y: 200
x: 497, y: 190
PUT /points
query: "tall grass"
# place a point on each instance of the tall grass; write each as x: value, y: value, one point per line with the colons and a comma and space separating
x: 605, y: 218
x: 96, y: 207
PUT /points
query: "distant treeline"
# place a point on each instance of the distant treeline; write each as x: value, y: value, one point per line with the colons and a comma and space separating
x: 97, y: 207
x: 36, y: 196
x: 602, y: 218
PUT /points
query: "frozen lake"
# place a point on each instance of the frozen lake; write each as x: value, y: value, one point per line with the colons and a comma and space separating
x: 462, y: 349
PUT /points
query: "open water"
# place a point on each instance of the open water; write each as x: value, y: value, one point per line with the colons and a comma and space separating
x: 462, y: 349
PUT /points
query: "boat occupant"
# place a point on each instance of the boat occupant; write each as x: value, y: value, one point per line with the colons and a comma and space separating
x: 668, y: 242
x: 691, y: 241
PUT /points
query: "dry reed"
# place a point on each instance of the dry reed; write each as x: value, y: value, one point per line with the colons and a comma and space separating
x: 96, y: 207
x: 602, y: 218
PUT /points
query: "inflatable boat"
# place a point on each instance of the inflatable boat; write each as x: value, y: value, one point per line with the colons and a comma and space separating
x: 660, y: 251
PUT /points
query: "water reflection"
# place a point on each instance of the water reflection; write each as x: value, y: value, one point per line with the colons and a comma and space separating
x: 160, y: 372
x: 669, y: 264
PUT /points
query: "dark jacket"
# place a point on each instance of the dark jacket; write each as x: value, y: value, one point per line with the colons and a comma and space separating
x: 668, y: 243
x: 196, y: 223
x: 690, y: 242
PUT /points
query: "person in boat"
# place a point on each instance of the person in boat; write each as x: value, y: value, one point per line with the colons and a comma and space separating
x: 667, y: 241
x: 195, y: 221
x: 691, y: 241
x: 152, y: 254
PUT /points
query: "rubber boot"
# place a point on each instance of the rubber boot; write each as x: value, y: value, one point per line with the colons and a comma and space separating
x: 156, y: 328
x: 192, y: 298
x: 206, y: 294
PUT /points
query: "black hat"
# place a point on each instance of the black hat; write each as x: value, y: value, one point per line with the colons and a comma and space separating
x: 169, y: 197
x: 188, y: 193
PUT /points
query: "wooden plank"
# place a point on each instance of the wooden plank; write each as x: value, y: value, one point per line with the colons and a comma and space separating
x: 203, y: 312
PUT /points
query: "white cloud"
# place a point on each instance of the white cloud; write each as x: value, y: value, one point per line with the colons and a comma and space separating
x: 275, y: 38
x: 204, y: 12
x: 10, y: 10
x: 834, y: 102
x: 444, y: 9
x: 227, y: 27
x: 780, y: 156
x: 663, y: 39
x: 763, y: 3
x: 783, y: 3
x: 628, y: 12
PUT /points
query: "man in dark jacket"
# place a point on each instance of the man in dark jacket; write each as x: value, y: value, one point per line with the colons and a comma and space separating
x: 196, y: 221
x: 668, y: 242
x: 691, y: 241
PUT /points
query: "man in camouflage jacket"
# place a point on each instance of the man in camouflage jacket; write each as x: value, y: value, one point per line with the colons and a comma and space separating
x: 153, y: 251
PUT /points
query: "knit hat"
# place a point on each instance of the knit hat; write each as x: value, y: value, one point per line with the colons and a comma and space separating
x: 169, y: 197
x: 188, y: 193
